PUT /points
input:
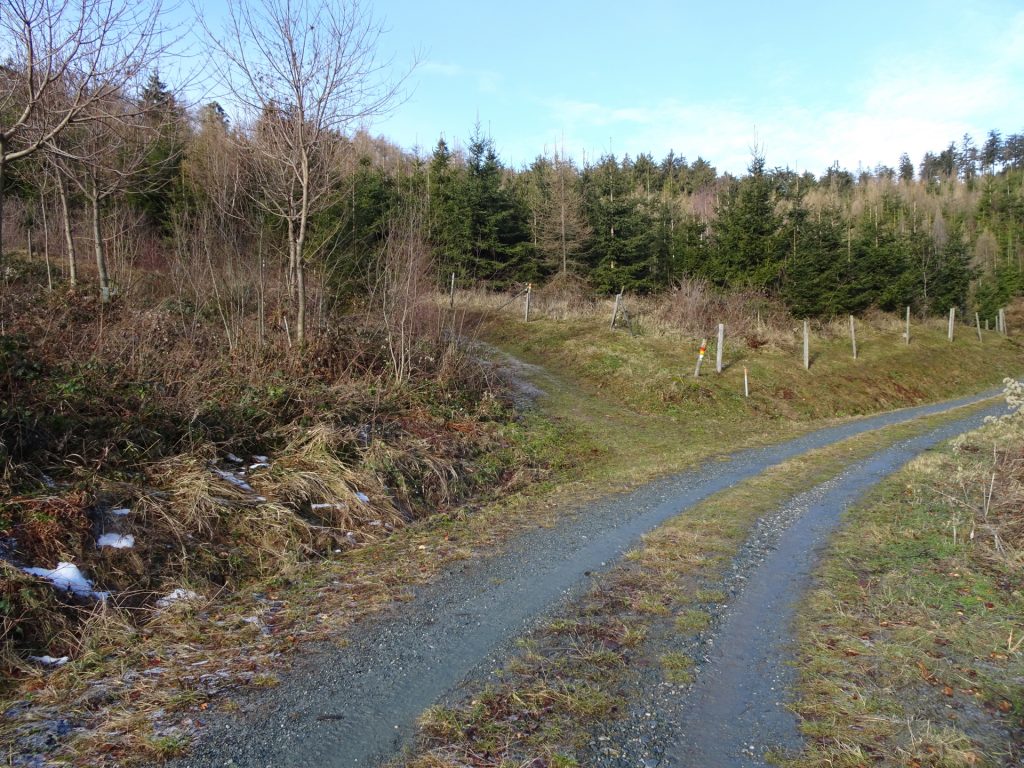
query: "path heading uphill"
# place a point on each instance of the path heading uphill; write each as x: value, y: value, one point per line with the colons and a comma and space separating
x: 358, y: 705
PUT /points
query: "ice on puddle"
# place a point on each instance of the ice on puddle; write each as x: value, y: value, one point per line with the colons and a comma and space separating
x: 176, y: 596
x: 116, y: 541
x: 120, y: 512
x: 50, y: 661
x: 68, y: 578
x: 362, y: 497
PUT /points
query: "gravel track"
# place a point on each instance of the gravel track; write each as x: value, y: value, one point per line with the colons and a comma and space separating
x: 736, y: 711
x: 358, y: 705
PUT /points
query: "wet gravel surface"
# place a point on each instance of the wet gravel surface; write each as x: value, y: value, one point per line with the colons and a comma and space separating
x: 356, y: 706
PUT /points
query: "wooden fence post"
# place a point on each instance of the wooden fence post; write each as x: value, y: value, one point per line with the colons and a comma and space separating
x: 721, y: 343
x: 700, y: 357
x: 615, y: 312
x: 977, y: 322
x: 807, y: 346
x: 952, y: 319
x: 529, y: 290
x: 907, y: 334
x: 1002, y: 321
x: 451, y: 294
x: 746, y: 383
x: 853, y: 337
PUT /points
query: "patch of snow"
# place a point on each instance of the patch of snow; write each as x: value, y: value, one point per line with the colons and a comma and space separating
x: 116, y: 541
x: 177, y: 595
x: 49, y: 661
x: 48, y: 481
x: 362, y: 497
x: 235, y: 480
x: 68, y: 578
x: 259, y: 465
x: 261, y: 459
x: 120, y: 512
x: 232, y: 458
x: 326, y: 506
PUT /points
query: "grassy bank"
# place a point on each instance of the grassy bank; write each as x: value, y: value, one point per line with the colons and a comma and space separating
x: 636, y: 409
x: 912, y: 645
x: 647, y: 614
x: 247, y: 478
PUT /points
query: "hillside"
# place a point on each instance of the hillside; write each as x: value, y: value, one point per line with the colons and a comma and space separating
x: 244, y: 482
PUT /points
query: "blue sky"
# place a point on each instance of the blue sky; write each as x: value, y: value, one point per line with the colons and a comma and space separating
x: 810, y: 82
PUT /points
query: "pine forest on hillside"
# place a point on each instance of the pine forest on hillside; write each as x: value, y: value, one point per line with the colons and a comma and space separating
x: 131, y: 191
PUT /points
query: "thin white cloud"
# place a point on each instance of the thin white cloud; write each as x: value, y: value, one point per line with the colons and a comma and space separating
x: 912, y: 104
x: 487, y: 81
x: 442, y: 68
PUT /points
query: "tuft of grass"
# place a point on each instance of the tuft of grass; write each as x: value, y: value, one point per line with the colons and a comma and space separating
x: 678, y: 667
x: 692, y: 620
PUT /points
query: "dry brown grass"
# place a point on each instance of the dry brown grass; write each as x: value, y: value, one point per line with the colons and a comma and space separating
x: 692, y: 309
x: 137, y: 404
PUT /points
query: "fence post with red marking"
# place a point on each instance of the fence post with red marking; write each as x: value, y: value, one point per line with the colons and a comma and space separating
x: 700, y: 357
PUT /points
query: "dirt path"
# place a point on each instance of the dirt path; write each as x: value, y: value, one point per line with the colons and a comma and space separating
x: 357, y: 705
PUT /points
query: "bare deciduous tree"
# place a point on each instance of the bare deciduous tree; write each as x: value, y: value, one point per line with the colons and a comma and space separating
x: 303, y: 72
x: 104, y: 156
x: 61, y: 58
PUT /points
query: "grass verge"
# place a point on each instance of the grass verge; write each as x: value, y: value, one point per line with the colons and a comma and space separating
x: 584, y: 665
x: 912, y: 644
x: 632, y: 395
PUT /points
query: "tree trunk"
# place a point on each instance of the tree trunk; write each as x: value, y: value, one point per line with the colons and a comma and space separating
x: 46, y: 242
x: 300, y: 256
x: 3, y: 174
x: 291, y: 255
x: 300, y: 290
x: 69, y: 240
x: 101, y: 258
